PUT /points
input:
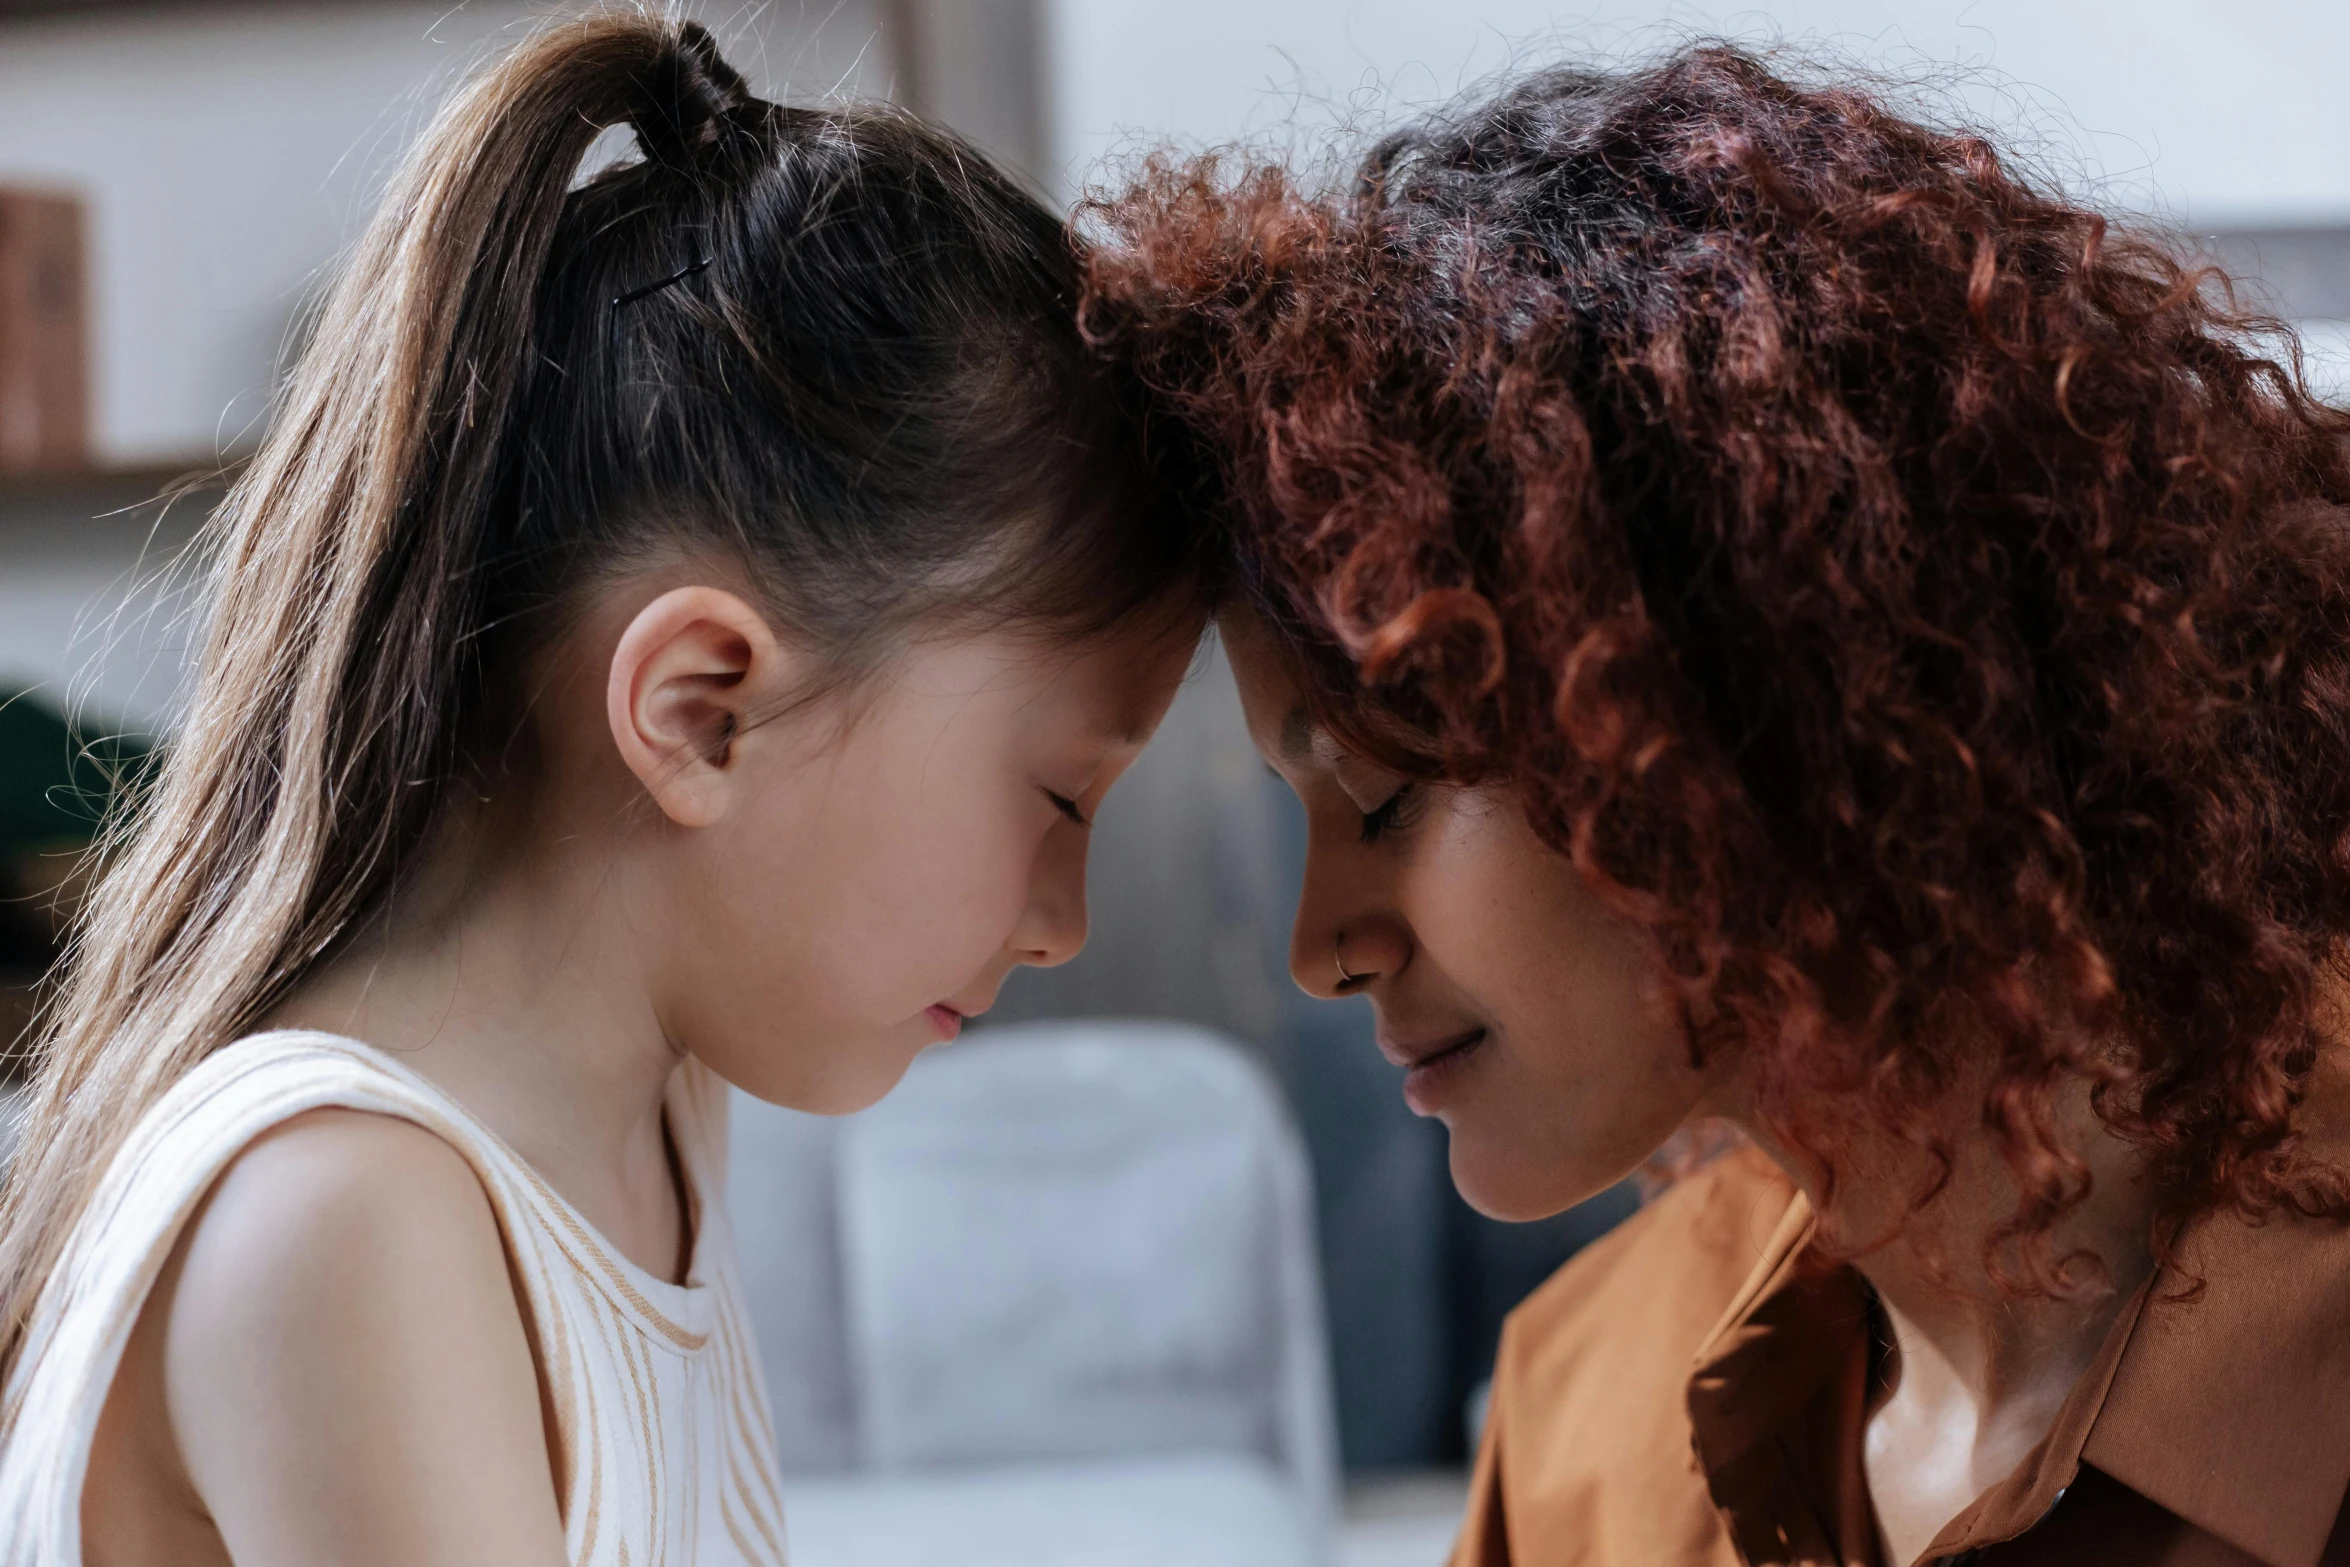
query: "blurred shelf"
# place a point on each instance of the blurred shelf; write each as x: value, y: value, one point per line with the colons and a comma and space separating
x: 109, y: 486
x: 11, y: 9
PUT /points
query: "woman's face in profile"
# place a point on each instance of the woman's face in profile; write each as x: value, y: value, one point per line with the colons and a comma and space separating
x: 1526, y: 1016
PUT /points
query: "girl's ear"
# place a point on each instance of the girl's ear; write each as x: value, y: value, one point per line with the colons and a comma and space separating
x: 684, y: 675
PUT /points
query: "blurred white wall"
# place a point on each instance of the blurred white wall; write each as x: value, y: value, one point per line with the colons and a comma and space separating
x: 2227, y: 115
x: 229, y: 153
x: 93, y: 618
x: 2218, y: 117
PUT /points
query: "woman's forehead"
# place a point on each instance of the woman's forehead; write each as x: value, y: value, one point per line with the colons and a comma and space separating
x: 1298, y: 730
x: 1268, y: 688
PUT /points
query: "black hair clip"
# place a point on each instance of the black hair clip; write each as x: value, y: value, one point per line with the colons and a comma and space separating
x: 674, y: 278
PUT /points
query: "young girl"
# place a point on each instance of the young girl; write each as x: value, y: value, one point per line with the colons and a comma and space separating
x: 1776, y: 616
x: 678, y: 629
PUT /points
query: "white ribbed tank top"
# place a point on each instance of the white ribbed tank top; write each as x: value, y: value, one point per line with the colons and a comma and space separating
x: 665, y: 1454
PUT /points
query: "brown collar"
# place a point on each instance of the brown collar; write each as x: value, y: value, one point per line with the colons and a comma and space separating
x: 2233, y: 1409
x: 2230, y: 1409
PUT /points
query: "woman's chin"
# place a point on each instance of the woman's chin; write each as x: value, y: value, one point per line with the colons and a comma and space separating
x: 1518, y: 1186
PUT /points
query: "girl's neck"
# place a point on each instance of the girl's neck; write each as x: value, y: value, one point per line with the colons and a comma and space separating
x: 505, y: 974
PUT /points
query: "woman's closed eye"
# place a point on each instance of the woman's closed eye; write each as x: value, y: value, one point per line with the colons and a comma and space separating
x: 1388, y: 816
x: 1067, y: 807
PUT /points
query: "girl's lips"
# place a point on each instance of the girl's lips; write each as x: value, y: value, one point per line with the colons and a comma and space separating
x: 1430, y: 1079
x: 945, y: 1019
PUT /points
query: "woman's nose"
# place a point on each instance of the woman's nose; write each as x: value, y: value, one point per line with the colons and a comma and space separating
x: 1330, y: 958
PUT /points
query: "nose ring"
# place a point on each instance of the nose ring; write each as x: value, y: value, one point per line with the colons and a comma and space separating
x: 1338, y: 955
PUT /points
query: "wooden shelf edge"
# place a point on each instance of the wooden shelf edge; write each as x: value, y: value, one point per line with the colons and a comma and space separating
x: 143, y: 480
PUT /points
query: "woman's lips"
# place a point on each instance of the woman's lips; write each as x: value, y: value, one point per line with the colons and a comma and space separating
x: 945, y: 1019
x: 1431, y: 1067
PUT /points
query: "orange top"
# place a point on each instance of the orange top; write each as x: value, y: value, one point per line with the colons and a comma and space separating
x: 1692, y: 1390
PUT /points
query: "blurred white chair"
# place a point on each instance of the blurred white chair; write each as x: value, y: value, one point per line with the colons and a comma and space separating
x: 1053, y: 1301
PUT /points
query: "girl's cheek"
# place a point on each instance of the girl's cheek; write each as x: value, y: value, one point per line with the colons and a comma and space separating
x: 958, y: 885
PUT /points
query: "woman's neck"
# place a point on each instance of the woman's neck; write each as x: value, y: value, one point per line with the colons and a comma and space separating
x: 505, y: 975
x: 1977, y: 1375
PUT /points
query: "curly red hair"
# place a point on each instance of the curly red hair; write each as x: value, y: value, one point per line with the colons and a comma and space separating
x: 1919, y: 605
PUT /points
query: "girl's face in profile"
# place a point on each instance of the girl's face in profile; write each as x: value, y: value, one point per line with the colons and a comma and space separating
x: 835, y: 889
x: 1526, y: 1017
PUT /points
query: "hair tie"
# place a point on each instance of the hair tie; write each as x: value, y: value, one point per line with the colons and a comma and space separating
x: 687, y: 103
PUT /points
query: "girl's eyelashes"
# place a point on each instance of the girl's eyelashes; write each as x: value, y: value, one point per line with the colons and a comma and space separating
x: 1067, y: 807
x: 1387, y: 816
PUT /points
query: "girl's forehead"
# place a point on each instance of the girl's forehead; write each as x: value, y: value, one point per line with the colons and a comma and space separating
x: 1116, y: 687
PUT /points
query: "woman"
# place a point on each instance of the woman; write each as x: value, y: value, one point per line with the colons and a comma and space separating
x: 1779, y: 618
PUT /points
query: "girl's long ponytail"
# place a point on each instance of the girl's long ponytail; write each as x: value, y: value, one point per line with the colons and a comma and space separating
x: 352, y: 560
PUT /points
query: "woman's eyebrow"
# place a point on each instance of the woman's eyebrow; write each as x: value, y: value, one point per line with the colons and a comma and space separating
x: 1297, y: 735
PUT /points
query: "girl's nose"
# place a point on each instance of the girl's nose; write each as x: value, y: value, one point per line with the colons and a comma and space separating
x: 1052, y: 930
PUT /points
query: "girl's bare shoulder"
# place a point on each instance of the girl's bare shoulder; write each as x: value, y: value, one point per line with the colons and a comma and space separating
x: 322, y: 1170
x: 338, y: 1324
x: 337, y: 1212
